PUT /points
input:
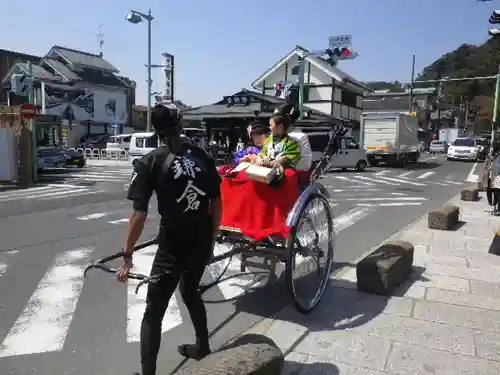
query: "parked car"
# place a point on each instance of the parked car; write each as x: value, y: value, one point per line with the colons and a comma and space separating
x: 49, y: 157
x: 438, y: 147
x: 72, y: 157
x: 463, y: 149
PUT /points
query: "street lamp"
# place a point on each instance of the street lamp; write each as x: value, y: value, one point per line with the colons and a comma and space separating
x: 136, y: 17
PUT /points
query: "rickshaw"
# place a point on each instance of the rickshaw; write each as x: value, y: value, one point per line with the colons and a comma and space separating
x: 310, y: 234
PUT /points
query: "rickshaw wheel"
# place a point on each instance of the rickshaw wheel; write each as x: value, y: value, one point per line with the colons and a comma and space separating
x: 214, y: 271
x: 312, y: 236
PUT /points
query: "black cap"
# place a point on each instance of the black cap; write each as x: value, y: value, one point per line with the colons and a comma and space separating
x: 165, y: 119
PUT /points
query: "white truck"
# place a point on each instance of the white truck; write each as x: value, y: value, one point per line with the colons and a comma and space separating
x: 448, y: 135
x: 390, y: 138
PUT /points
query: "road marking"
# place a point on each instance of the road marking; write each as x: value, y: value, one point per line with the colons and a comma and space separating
x: 472, y: 177
x: 97, y: 215
x: 382, y: 199
x: 381, y: 173
x: 43, y: 325
x: 350, y: 218
x: 348, y: 190
x: 350, y: 180
x: 405, y: 174
x: 454, y: 182
x: 391, y: 204
x: 136, y: 303
x: 377, y: 180
x: 403, y: 181
x: 425, y: 175
x: 4, y: 261
x: 119, y: 221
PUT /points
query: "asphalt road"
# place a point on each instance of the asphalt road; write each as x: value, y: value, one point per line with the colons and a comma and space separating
x: 52, y: 321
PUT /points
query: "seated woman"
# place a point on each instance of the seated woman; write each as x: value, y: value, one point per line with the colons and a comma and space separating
x: 280, y: 150
x: 257, y: 134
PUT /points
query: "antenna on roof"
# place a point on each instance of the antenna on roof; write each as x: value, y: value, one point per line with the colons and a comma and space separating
x: 100, y: 38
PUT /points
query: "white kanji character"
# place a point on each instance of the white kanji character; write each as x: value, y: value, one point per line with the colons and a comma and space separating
x: 177, y: 168
x: 189, y: 167
x: 191, y: 193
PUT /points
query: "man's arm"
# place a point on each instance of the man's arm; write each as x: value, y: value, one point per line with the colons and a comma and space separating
x: 139, y: 192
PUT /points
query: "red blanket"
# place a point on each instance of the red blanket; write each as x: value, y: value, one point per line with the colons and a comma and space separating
x: 257, y: 209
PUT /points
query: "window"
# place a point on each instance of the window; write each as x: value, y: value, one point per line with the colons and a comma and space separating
x: 349, y: 99
x: 126, y: 139
x: 466, y: 142
x: 349, y: 144
x: 139, y: 142
x: 152, y: 142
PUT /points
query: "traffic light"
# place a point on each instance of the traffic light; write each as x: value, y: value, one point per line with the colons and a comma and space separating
x: 340, y: 53
x: 278, y: 89
x: 19, y: 84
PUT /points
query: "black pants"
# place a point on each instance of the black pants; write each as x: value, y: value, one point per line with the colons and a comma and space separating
x: 184, y: 254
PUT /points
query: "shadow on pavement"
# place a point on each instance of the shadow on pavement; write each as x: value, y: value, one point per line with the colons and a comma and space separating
x: 296, y: 368
x: 423, y: 165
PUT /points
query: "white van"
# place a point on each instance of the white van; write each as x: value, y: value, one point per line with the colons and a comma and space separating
x: 119, y: 142
x: 143, y: 143
x: 350, y: 154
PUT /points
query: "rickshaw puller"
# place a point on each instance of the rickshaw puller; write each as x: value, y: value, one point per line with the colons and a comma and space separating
x: 187, y: 187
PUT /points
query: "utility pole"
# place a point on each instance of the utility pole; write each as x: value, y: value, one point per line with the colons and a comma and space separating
x: 410, y: 104
x: 32, y: 125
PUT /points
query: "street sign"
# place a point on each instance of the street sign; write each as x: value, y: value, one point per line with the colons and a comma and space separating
x: 28, y: 111
x: 339, y: 41
x: 114, y: 126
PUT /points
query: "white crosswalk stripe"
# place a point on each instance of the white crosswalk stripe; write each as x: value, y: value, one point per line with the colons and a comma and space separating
x: 91, y: 174
x: 46, y: 192
x: 394, y: 178
x: 43, y: 325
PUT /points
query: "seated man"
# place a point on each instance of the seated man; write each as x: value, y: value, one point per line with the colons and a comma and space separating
x: 280, y: 150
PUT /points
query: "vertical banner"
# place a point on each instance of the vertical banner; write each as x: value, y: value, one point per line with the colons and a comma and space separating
x: 168, y: 67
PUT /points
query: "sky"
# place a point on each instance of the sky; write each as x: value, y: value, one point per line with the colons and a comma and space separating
x: 221, y: 46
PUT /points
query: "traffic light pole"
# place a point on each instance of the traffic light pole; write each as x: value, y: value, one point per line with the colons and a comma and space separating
x: 32, y: 126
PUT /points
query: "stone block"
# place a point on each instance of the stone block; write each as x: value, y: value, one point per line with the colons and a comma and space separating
x: 470, y: 194
x: 386, y: 268
x: 444, y: 217
x: 495, y: 243
x: 249, y: 354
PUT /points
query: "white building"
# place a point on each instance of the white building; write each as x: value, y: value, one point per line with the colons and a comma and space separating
x: 327, y: 88
x: 80, y: 87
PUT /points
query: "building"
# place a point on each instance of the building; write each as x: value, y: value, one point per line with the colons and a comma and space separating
x: 7, y: 60
x: 80, y: 87
x: 327, y: 89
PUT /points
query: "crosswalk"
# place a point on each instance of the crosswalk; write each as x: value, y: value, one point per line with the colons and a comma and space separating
x: 46, y: 192
x: 44, y: 323
x: 90, y: 174
x: 395, y: 178
x: 386, y: 188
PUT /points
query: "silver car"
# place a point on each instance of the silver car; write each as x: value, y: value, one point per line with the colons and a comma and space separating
x: 438, y: 147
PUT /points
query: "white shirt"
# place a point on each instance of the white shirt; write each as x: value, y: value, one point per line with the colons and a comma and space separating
x: 306, y: 155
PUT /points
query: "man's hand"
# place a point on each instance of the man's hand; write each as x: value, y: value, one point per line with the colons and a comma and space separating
x: 124, y: 269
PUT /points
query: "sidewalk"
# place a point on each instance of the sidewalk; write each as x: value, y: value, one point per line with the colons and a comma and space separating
x: 109, y: 163
x: 445, y: 321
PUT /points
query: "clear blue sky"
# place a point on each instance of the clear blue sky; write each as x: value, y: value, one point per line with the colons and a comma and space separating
x: 222, y: 46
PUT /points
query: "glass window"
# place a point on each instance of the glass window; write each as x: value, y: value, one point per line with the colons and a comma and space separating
x: 152, y: 142
x: 465, y: 142
x: 351, y: 144
x: 139, y: 142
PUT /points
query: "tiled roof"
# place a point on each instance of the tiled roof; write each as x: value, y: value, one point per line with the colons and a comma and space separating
x: 85, y: 59
x: 388, y: 104
x: 40, y: 72
x: 61, y: 69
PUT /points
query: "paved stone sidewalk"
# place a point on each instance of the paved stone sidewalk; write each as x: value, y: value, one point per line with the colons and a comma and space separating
x: 445, y: 321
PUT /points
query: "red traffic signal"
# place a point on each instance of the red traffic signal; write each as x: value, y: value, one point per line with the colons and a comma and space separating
x: 278, y: 86
x: 346, y: 52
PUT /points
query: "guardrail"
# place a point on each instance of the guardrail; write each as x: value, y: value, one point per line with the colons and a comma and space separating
x: 98, y: 154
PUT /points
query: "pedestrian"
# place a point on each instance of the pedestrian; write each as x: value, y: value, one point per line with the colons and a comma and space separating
x: 187, y: 187
x: 493, y: 187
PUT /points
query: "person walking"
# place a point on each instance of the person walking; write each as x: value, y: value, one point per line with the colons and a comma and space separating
x: 187, y: 186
